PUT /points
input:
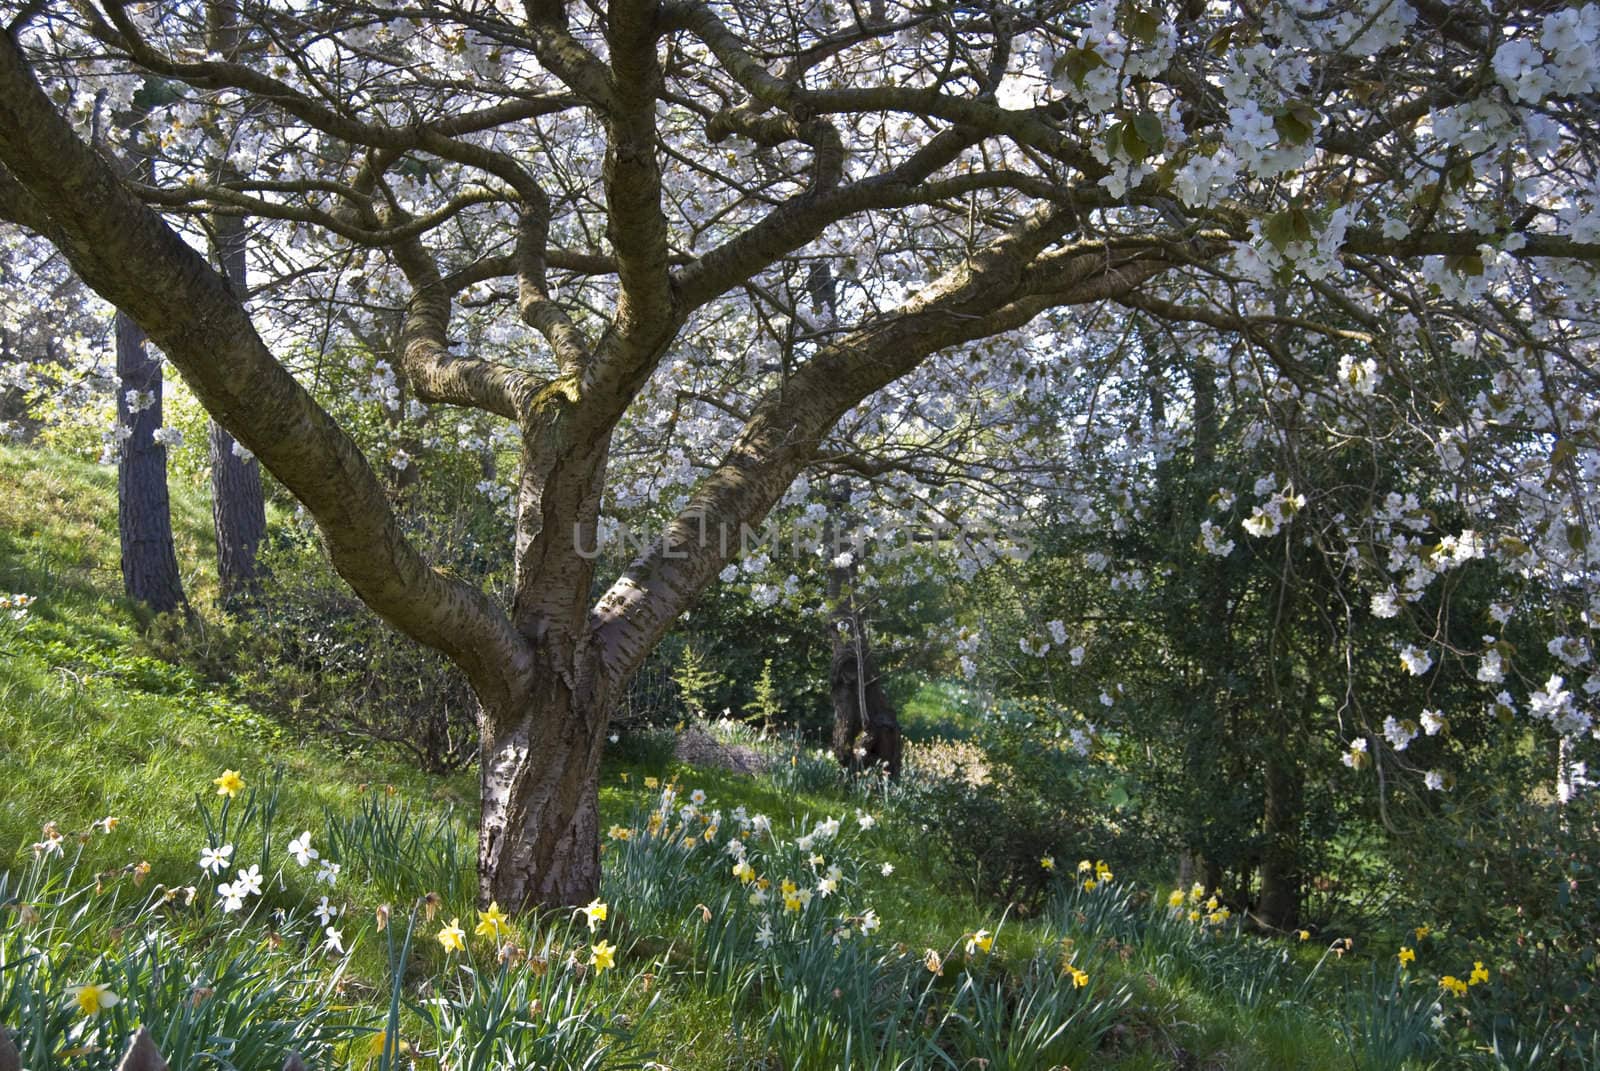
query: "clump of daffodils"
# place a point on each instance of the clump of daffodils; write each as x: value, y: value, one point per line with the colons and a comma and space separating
x: 1094, y: 874
x: 1201, y: 908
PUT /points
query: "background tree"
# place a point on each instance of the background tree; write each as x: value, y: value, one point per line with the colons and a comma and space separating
x: 144, y: 519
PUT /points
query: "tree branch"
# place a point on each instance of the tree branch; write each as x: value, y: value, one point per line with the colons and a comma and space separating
x: 183, y: 305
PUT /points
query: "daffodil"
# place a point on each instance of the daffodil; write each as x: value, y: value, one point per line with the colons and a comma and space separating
x: 1079, y: 978
x: 94, y: 999
x: 932, y: 960
x: 595, y: 913
x: 1305, y: 935
x: 602, y: 956
x: 744, y: 871
x: 1422, y: 931
x: 1406, y: 955
x: 490, y: 922
x: 982, y: 941
x: 215, y: 860
x: 1453, y: 984
x: 453, y: 937
x: 1048, y: 862
x: 620, y: 833
x: 1176, y: 899
x: 229, y: 783
x: 1479, y: 973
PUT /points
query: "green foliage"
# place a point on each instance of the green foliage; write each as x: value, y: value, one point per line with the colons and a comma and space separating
x: 1515, y: 884
x: 994, y: 805
x: 323, y: 666
x: 766, y: 706
x: 93, y: 726
x: 697, y: 680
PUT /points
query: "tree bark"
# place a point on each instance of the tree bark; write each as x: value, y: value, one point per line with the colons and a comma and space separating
x: 1279, y: 906
x: 866, y: 729
x: 144, y: 517
x: 539, y: 830
x: 238, y: 507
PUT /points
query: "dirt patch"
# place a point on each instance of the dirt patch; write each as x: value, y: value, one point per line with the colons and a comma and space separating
x: 696, y: 747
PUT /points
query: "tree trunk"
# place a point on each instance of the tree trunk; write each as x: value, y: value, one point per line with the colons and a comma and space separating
x: 144, y: 518
x: 539, y: 832
x: 1279, y: 906
x: 238, y: 509
x: 866, y: 728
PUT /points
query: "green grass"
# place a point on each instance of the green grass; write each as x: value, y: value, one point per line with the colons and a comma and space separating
x: 91, y: 725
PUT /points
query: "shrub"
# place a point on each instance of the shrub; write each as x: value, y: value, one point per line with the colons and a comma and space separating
x: 995, y: 806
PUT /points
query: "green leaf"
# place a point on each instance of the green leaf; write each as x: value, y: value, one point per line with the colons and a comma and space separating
x: 1133, y: 145
x: 1286, y: 227
x: 1295, y: 122
x: 1148, y: 126
x: 1078, y: 63
x: 1218, y: 44
x: 1143, y: 25
x: 155, y: 92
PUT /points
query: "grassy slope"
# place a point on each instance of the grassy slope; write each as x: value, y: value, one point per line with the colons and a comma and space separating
x: 89, y: 727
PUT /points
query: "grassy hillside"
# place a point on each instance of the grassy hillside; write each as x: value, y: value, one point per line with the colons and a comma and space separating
x: 889, y: 960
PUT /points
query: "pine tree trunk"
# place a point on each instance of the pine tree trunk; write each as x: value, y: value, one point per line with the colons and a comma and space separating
x: 539, y: 831
x: 144, y: 518
x: 238, y: 509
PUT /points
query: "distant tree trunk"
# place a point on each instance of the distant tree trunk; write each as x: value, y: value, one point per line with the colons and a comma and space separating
x: 866, y: 727
x: 1279, y: 906
x: 144, y: 518
x: 238, y: 508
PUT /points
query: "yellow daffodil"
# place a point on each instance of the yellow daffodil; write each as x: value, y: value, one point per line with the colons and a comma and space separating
x: 1089, y: 885
x: 652, y: 782
x: 94, y: 999
x: 1479, y: 974
x: 229, y: 783
x: 491, y: 922
x: 1453, y: 984
x: 1176, y: 899
x: 1048, y: 862
x: 602, y: 956
x: 1422, y: 931
x: 1406, y: 955
x: 596, y: 913
x: 1079, y: 978
x: 1305, y: 935
x: 744, y: 871
x: 453, y: 937
x: 982, y: 941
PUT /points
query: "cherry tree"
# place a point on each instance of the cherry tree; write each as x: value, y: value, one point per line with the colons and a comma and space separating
x: 591, y: 221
